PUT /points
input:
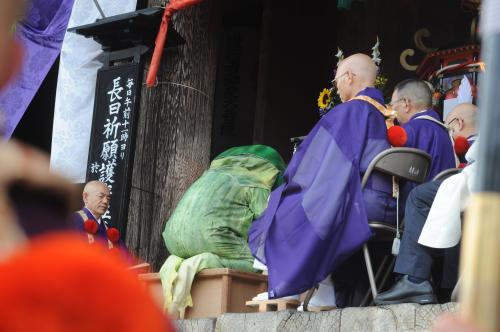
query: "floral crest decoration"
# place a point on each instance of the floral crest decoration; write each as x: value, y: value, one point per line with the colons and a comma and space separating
x: 329, y: 97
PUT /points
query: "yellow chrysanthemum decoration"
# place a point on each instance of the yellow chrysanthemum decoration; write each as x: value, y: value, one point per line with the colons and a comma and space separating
x: 380, y: 82
x: 324, y: 98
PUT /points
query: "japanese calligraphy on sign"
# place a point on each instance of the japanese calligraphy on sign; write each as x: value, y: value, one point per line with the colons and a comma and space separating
x: 112, y: 133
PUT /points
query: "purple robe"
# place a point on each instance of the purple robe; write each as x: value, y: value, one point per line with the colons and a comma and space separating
x: 41, y: 33
x: 101, y: 235
x: 432, y: 138
x: 319, y: 217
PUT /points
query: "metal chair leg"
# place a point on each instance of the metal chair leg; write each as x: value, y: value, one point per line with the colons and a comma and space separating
x: 370, y: 271
x: 309, y: 295
x: 388, y: 272
x: 381, y: 268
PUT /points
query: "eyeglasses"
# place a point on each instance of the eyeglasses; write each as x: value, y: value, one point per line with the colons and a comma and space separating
x: 393, y: 103
x: 336, y: 79
x: 450, y: 123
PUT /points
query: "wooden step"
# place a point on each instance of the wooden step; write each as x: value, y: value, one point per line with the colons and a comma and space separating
x: 273, y: 305
x: 214, y: 291
x: 140, y: 268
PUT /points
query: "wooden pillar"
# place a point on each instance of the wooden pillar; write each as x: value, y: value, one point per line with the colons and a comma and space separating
x: 174, y: 131
x: 480, y: 292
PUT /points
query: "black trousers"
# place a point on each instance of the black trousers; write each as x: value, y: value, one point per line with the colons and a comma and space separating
x: 415, y: 259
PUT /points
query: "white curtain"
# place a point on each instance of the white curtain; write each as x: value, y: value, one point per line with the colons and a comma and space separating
x: 76, y: 88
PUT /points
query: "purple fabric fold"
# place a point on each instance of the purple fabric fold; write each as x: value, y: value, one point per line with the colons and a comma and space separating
x: 319, y: 218
x: 41, y: 33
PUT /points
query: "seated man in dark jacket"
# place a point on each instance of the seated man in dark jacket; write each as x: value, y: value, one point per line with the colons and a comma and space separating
x: 415, y: 260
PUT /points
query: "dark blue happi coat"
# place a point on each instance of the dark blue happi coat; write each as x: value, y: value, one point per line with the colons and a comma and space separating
x: 319, y: 216
x: 101, y: 235
x: 78, y: 223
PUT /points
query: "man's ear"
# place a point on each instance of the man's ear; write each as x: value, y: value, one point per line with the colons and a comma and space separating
x: 406, y: 105
x: 14, y: 62
x: 350, y: 77
x: 84, y: 196
x: 461, y: 124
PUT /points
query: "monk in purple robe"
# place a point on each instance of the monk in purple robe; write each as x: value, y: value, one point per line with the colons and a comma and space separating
x: 319, y: 216
x: 412, y: 100
x: 96, y: 197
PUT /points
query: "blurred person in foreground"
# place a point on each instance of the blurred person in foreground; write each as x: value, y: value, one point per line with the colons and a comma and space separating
x: 56, y: 282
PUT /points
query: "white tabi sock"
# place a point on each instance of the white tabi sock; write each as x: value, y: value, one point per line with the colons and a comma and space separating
x: 325, y: 295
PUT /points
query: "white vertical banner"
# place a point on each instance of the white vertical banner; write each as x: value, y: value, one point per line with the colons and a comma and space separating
x: 76, y: 90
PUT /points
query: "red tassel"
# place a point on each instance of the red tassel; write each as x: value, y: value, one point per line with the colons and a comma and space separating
x: 90, y: 226
x: 113, y: 234
x: 161, y: 37
x: 462, y: 165
x: 461, y: 145
x: 397, y: 137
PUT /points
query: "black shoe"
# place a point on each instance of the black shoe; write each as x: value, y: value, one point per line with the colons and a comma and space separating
x: 405, y: 291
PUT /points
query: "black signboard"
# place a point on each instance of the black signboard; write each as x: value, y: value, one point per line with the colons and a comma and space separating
x: 112, y: 139
x: 125, y: 39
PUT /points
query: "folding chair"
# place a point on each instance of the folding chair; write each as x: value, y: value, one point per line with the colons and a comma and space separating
x: 446, y: 173
x: 404, y: 164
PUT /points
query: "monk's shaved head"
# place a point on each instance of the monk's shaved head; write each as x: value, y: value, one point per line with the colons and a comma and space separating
x: 354, y: 74
x: 94, y: 185
x: 466, y: 111
x: 462, y: 120
x: 362, y: 66
x: 96, y: 197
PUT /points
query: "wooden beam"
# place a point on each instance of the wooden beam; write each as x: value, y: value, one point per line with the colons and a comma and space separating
x: 174, y: 131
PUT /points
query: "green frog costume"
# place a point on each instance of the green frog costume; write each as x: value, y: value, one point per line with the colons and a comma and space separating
x: 209, y: 226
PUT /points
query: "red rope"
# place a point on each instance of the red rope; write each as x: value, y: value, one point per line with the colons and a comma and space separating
x: 161, y: 37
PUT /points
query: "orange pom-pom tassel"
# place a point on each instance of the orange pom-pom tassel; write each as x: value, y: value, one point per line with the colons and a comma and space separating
x: 396, y: 135
x: 90, y: 226
x: 113, y: 234
x: 461, y: 145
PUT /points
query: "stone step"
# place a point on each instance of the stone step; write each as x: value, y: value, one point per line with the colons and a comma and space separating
x: 273, y: 305
x: 400, y: 317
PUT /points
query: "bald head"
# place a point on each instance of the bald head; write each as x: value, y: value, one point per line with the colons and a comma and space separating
x: 354, y: 74
x: 462, y: 120
x: 95, y: 185
x: 96, y: 197
x: 362, y: 66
